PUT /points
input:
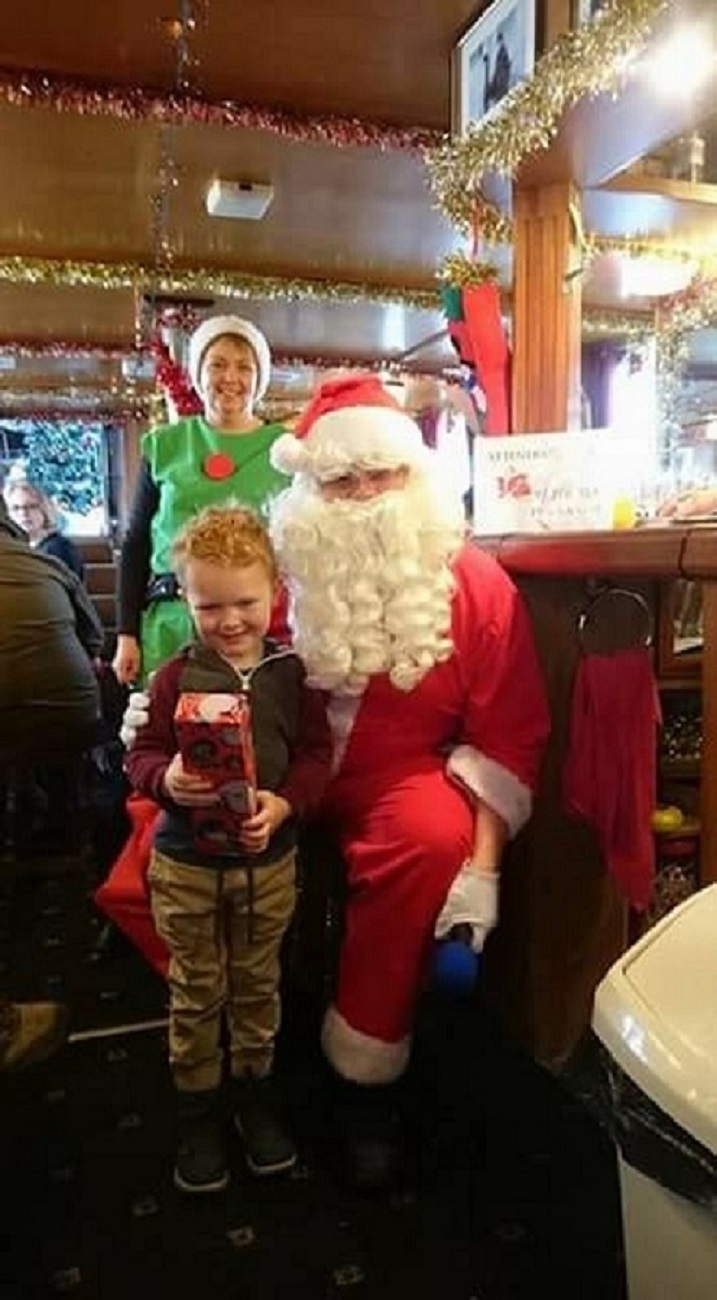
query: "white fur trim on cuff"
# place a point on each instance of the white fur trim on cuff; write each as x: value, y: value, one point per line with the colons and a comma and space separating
x: 494, y: 784
x: 358, y: 1057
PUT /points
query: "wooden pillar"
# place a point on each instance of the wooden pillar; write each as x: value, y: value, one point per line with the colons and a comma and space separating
x: 557, y: 16
x: 547, y: 306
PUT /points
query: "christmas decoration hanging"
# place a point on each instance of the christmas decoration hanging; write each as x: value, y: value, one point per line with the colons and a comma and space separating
x: 588, y: 61
x: 471, y: 302
x: 134, y: 104
x: 208, y: 282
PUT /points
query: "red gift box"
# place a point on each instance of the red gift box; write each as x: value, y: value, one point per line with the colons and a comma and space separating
x: 215, y: 740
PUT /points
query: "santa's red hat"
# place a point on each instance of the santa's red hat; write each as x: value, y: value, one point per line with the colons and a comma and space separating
x: 350, y: 423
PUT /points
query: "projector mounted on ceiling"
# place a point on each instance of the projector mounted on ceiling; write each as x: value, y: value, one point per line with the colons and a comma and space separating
x: 239, y: 200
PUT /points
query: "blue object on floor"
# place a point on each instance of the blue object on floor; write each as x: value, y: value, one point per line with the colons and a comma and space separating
x: 455, y: 965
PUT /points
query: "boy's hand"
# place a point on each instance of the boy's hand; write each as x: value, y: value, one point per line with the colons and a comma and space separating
x: 271, y: 811
x: 186, y: 788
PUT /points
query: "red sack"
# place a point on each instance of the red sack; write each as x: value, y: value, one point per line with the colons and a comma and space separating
x: 124, y: 895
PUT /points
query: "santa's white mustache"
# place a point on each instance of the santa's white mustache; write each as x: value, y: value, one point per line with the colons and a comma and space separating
x: 369, y: 580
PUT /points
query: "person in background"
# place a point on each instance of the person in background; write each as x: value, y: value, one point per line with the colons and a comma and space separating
x: 439, y: 715
x: 32, y: 509
x: 50, y: 640
x: 223, y: 913
x: 220, y: 455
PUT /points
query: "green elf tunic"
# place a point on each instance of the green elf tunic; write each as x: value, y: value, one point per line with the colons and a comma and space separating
x: 194, y: 465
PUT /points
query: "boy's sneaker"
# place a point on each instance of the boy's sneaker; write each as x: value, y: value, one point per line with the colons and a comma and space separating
x: 201, y: 1164
x: 259, y: 1121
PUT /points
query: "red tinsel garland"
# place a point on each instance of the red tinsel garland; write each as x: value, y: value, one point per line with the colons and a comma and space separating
x: 119, y: 415
x: 174, y: 381
x: 38, y: 90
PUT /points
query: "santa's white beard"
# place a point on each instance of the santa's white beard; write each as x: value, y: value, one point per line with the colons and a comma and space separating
x: 370, y: 581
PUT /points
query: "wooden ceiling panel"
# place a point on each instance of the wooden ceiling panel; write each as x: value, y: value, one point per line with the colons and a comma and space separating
x: 360, y: 212
x: 368, y: 59
x: 81, y: 186
x: 87, y: 187
x: 637, y: 208
x: 47, y: 313
x: 341, y: 330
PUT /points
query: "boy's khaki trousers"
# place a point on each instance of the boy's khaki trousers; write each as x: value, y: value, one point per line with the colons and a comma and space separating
x: 224, y: 931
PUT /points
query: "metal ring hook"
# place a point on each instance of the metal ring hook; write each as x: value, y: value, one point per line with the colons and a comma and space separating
x: 620, y: 593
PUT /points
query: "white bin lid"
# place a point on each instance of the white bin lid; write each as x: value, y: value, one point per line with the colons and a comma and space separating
x: 656, y: 1013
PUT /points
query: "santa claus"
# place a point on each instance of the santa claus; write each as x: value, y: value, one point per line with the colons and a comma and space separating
x: 439, y: 718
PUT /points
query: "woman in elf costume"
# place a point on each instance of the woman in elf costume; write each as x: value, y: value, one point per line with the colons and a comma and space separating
x: 200, y: 460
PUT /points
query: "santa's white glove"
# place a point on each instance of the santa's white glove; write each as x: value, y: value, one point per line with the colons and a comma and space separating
x: 136, y: 716
x: 471, y: 900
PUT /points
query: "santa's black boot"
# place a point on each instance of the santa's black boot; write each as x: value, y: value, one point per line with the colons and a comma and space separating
x: 370, y: 1129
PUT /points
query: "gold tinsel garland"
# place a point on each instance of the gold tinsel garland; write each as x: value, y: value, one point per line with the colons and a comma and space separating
x: 673, y: 250
x: 678, y: 318
x: 459, y: 270
x: 586, y: 62
x: 597, y: 324
x: 204, y: 280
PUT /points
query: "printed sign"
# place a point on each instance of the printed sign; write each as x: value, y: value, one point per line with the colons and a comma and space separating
x: 548, y: 482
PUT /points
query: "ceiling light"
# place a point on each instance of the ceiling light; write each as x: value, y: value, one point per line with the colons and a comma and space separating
x: 679, y: 67
x: 238, y: 200
x: 654, y: 277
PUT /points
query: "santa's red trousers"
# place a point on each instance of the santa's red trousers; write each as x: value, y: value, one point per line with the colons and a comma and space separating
x: 403, y: 846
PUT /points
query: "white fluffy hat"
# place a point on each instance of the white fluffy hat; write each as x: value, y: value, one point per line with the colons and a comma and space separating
x: 213, y: 328
x: 350, y: 422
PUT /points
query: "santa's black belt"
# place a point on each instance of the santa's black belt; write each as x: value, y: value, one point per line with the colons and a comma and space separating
x: 161, y: 586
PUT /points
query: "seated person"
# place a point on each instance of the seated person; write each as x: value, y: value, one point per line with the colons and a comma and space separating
x: 30, y: 508
x: 50, y: 636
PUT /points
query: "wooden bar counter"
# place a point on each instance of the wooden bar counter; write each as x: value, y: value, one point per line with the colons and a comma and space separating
x: 563, y: 923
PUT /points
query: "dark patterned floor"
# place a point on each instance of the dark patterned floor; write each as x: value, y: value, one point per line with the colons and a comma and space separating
x: 512, y: 1187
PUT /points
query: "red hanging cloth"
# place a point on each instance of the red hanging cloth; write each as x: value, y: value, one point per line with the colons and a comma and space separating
x: 610, y: 774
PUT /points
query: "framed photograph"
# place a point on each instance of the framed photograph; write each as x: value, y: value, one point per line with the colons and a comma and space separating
x: 585, y: 10
x: 495, y: 54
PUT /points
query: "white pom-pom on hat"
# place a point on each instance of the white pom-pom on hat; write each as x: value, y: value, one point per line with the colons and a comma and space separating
x: 288, y: 454
x: 350, y: 422
x: 215, y: 327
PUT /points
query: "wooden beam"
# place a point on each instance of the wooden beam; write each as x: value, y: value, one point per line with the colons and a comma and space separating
x: 546, y: 311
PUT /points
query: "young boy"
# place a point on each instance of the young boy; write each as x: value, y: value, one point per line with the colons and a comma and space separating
x: 223, y: 914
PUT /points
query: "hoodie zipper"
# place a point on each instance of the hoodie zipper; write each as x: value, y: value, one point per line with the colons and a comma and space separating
x: 245, y: 675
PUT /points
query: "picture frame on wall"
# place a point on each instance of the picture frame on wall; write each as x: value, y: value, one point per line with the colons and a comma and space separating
x: 585, y: 10
x: 495, y: 54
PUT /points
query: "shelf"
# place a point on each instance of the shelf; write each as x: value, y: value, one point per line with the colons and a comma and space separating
x: 679, y: 683
x: 690, y: 826
x: 680, y: 767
